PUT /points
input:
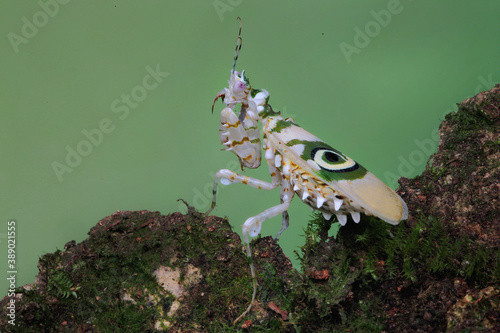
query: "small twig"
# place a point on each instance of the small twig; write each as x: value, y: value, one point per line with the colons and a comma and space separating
x: 191, y: 209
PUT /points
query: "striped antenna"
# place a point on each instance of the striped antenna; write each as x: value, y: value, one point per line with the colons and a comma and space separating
x: 221, y: 93
x: 239, y: 41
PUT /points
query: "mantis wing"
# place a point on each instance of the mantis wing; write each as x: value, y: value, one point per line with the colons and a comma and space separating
x: 340, y: 172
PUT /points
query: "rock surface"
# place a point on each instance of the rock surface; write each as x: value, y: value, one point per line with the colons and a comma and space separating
x: 140, y: 271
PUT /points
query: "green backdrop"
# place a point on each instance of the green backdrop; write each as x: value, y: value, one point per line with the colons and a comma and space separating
x: 105, y: 105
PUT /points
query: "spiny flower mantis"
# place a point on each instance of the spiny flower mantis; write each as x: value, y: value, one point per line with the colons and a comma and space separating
x: 299, y: 163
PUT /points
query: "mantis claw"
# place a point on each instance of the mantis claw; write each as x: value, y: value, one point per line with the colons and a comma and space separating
x: 220, y: 94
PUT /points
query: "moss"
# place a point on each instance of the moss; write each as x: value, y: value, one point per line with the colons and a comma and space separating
x: 372, y: 255
x: 428, y: 247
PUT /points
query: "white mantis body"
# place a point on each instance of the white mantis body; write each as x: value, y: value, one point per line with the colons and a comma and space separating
x: 299, y: 163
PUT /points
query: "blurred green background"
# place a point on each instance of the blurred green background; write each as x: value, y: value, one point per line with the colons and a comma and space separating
x: 372, y: 78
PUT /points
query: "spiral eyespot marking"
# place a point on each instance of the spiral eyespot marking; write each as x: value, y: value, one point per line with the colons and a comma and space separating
x: 332, y: 161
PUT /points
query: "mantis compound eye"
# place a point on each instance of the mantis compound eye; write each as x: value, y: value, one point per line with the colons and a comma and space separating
x: 239, y: 86
x: 330, y: 160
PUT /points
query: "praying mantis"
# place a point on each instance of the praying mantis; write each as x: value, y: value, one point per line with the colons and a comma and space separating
x: 299, y: 163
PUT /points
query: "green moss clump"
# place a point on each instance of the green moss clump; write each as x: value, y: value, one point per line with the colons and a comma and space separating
x: 368, y: 259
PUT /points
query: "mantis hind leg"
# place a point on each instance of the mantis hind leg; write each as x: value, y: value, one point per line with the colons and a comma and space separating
x: 252, y: 227
x: 286, y: 195
x: 285, y: 224
x: 228, y: 177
